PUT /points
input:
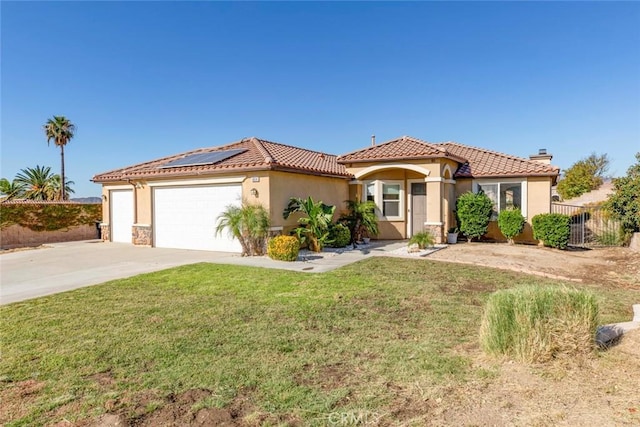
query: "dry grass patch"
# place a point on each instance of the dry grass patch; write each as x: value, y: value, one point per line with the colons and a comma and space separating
x: 539, y: 324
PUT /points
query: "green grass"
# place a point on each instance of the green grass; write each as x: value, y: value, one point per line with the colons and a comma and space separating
x: 302, y: 345
x: 539, y: 324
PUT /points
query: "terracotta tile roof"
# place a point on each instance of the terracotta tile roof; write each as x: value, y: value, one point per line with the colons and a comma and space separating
x: 258, y: 155
x: 403, y: 148
x: 486, y: 163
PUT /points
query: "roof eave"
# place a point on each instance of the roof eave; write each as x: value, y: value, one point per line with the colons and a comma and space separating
x: 392, y: 159
x: 282, y: 168
x: 514, y: 175
x: 221, y: 171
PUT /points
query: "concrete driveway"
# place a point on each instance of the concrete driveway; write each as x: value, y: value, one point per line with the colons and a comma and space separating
x: 62, y: 267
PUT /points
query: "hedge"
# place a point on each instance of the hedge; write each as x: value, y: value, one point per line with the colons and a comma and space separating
x: 49, y: 216
x: 552, y: 229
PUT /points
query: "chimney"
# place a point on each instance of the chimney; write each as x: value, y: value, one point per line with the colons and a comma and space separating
x: 541, y: 157
x: 373, y: 140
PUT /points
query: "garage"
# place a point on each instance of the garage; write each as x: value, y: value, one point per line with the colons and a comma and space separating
x: 121, y: 215
x: 185, y: 217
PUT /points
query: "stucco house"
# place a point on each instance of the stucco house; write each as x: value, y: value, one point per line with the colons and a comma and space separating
x: 175, y: 201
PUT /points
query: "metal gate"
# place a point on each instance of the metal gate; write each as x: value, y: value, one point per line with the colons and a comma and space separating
x: 591, y: 226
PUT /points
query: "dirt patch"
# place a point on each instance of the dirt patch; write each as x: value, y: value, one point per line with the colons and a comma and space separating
x: 17, y: 398
x: 191, y: 408
x: 103, y: 379
x: 616, y: 267
x: 585, y: 392
x: 327, y: 377
x: 600, y: 391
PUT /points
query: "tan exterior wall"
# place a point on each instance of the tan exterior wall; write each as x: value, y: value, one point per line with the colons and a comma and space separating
x: 392, y: 230
x: 462, y: 186
x: 142, y: 197
x: 259, y: 181
x: 283, y: 186
x: 538, y: 196
x: 538, y: 201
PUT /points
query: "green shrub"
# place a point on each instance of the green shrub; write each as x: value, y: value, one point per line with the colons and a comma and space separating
x: 423, y: 239
x: 49, y: 216
x: 474, y: 213
x: 339, y: 236
x: 511, y: 223
x: 552, y: 229
x: 283, y: 248
x: 534, y: 324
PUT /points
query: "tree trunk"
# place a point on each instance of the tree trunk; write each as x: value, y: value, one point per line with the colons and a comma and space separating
x: 62, y: 181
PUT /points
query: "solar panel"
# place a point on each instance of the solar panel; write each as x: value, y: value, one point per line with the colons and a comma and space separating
x: 203, y: 158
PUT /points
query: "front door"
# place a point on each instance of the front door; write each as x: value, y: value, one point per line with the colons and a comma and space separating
x: 418, y: 207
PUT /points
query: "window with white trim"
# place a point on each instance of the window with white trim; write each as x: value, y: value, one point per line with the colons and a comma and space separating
x: 390, y: 199
x: 505, y: 194
x: 388, y: 196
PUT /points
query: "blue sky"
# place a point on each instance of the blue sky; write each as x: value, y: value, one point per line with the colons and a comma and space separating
x: 148, y: 79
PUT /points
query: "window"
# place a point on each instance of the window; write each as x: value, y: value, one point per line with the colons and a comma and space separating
x: 505, y: 195
x: 370, y: 195
x: 391, y: 199
x: 388, y: 197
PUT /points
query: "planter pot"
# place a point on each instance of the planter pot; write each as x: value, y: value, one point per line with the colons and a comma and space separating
x: 366, y: 240
x: 452, y: 238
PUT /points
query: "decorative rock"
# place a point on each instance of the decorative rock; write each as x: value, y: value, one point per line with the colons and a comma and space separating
x: 608, y: 333
x: 413, y: 248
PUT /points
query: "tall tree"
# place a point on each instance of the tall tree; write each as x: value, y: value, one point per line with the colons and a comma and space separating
x: 624, y: 203
x: 38, y: 183
x: 61, y: 131
x: 583, y: 176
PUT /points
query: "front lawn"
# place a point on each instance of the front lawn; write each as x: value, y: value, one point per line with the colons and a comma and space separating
x: 371, y: 342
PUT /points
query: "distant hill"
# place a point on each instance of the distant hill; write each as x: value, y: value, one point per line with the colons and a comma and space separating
x: 86, y: 200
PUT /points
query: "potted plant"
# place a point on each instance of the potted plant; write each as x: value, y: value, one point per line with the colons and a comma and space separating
x: 452, y: 235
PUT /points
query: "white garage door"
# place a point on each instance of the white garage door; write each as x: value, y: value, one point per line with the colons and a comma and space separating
x: 121, y: 215
x: 186, y: 217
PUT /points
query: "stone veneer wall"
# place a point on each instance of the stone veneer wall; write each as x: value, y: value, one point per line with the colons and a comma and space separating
x: 105, y: 232
x: 142, y: 235
x: 436, y: 231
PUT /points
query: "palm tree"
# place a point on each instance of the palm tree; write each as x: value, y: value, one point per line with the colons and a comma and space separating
x: 55, y: 183
x: 39, y: 183
x: 11, y: 189
x: 314, y: 230
x: 361, y: 219
x: 249, y: 224
x: 60, y: 130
